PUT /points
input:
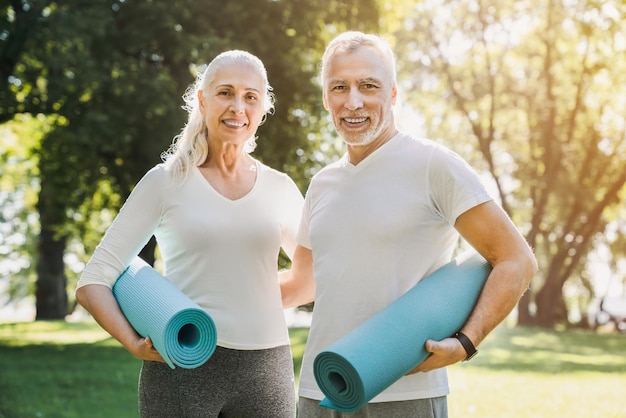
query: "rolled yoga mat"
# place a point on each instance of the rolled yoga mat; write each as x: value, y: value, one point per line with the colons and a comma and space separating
x: 369, y: 359
x: 182, y: 332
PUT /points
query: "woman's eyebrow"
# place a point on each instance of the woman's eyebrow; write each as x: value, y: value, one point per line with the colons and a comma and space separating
x: 230, y: 86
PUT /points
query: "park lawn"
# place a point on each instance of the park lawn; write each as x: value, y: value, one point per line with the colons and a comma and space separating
x: 526, y: 372
x: 65, y: 370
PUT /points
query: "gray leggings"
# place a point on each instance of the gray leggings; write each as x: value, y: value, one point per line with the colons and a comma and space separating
x: 418, y: 408
x: 233, y: 383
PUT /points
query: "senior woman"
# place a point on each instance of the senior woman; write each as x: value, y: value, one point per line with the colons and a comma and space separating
x: 220, y: 218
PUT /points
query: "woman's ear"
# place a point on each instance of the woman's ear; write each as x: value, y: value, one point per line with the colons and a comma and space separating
x: 201, y: 101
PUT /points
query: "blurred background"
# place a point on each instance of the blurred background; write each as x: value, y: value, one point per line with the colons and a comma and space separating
x: 532, y: 93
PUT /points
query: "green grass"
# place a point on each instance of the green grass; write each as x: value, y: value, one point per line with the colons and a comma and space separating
x: 526, y: 372
x: 65, y: 370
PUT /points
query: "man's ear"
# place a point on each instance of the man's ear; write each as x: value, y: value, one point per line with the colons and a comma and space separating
x: 394, y: 94
x: 324, y: 101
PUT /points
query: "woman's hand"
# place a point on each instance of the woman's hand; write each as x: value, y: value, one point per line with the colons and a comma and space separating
x: 144, y: 350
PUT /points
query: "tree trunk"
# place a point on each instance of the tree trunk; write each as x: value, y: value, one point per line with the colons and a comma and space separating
x: 51, y: 292
x: 550, y: 305
x: 524, y: 317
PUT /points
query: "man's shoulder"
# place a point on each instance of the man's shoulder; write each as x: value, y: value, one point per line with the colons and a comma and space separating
x: 418, y: 142
x: 435, y: 150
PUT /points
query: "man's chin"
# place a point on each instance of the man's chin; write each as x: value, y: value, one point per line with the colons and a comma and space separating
x: 357, y: 140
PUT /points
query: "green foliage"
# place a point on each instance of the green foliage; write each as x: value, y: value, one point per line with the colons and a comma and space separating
x: 18, y: 196
x: 528, y: 91
x: 110, y: 76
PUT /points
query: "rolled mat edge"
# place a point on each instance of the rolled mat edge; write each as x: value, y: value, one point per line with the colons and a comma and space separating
x: 380, y: 351
x: 182, y: 332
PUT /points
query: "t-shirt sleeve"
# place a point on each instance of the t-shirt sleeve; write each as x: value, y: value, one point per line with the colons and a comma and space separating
x: 455, y: 187
x: 292, y: 206
x: 303, y: 237
x: 129, y: 233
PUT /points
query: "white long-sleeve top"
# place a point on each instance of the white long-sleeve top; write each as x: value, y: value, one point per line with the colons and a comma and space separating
x: 221, y: 253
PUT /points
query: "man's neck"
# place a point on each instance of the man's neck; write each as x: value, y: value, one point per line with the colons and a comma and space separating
x: 358, y: 153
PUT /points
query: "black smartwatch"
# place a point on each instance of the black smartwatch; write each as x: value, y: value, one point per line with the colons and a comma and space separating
x: 467, y: 345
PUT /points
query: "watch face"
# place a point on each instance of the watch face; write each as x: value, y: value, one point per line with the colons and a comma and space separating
x: 471, y: 356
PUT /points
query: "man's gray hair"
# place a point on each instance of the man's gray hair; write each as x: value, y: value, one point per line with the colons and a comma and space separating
x: 351, y: 41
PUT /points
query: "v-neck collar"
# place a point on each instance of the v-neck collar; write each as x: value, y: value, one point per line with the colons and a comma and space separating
x: 196, y: 172
x: 370, y: 158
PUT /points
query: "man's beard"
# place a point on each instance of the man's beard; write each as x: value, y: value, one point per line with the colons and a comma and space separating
x: 359, y: 138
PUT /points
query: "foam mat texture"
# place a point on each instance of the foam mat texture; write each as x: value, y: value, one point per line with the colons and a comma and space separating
x: 369, y: 359
x: 182, y: 332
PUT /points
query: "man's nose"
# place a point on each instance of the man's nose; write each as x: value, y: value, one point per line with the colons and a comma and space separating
x: 355, y: 100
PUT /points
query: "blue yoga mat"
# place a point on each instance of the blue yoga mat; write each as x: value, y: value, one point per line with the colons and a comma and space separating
x: 369, y: 359
x: 182, y: 332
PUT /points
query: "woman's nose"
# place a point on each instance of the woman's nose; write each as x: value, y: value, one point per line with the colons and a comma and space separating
x: 237, y: 105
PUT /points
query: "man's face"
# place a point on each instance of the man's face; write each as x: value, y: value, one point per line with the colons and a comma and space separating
x: 359, y: 93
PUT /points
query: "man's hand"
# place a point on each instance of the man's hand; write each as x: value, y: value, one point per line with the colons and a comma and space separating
x: 442, y: 353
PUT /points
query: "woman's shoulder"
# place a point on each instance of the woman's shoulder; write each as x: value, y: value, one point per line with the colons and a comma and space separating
x: 273, y: 176
x: 271, y: 172
x: 158, y: 176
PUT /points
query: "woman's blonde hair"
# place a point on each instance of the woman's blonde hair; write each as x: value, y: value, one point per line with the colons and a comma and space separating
x: 190, y: 147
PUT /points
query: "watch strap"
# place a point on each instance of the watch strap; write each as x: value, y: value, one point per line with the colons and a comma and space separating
x: 467, y: 344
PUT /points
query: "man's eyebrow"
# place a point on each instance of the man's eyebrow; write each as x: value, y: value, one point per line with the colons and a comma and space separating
x: 366, y: 80
x: 372, y: 80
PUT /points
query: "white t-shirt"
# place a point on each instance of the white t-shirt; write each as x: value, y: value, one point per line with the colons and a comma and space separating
x: 221, y: 253
x: 376, y: 229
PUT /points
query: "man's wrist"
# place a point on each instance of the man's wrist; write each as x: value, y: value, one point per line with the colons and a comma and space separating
x: 468, y: 346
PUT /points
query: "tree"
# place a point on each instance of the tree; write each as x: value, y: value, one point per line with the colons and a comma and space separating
x: 538, y: 87
x: 110, y: 75
x: 18, y: 186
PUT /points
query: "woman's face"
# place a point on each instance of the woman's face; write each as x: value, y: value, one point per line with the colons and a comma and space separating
x: 232, y: 103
